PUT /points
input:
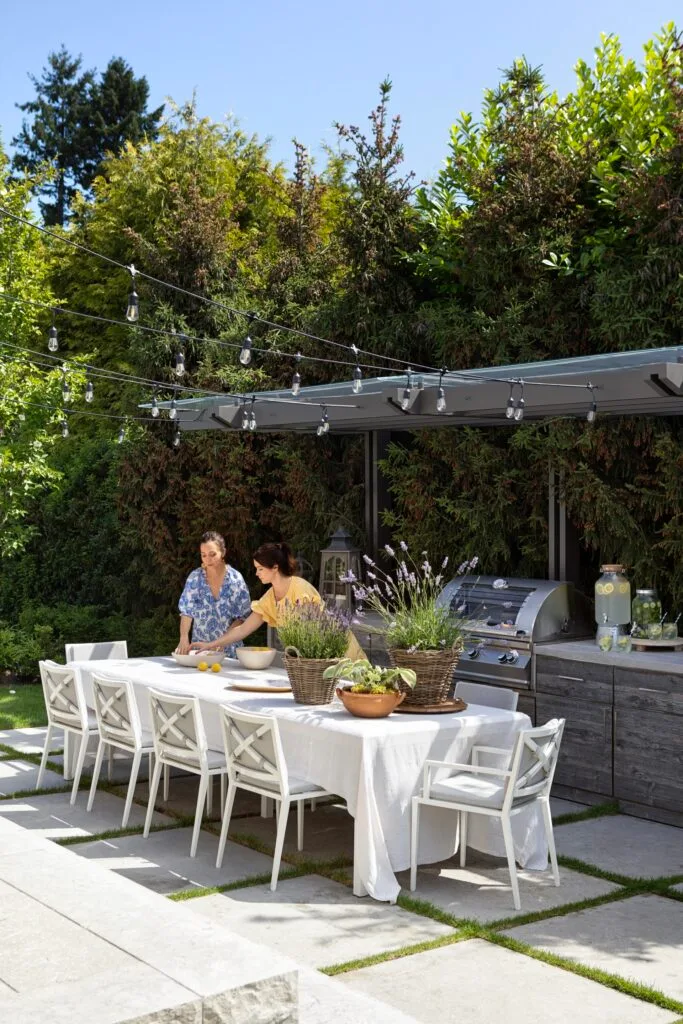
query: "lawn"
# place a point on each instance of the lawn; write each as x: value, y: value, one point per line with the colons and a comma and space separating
x: 22, y: 705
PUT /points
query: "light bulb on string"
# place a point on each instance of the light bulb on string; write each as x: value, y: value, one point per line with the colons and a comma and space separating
x: 245, y: 351
x: 441, y: 395
x: 173, y: 411
x: 133, y: 307
x: 324, y: 425
x: 519, y: 411
x: 296, y: 377
x: 245, y: 419
x: 357, y: 385
x: 89, y: 391
x: 179, y: 368
x: 593, y: 410
x: 176, y: 438
x: 510, y: 408
x: 155, y: 407
x: 66, y: 388
x: 52, y: 341
x: 407, y: 392
x: 122, y: 436
x: 65, y: 428
x: 252, y: 417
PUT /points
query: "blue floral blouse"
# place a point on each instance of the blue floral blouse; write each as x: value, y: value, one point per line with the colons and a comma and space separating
x: 211, y: 616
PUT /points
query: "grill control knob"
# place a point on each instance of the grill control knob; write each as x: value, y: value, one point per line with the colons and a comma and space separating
x: 473, y: 652
x: 503, y: 657
x: 513, y: 656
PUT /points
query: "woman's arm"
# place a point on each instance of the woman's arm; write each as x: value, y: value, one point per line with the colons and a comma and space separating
x: 235, y: 633
x: 185, y: 626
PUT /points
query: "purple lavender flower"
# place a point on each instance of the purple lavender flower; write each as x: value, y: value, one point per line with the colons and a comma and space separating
x: 371, y: 575
x: 368, y: 560
x: 445, y: 562
x: 404, y: 546
x: 404, y: 569
x: 412, y: 579
x: 389, y: 550
x: 474, y: 562
x: 425, y: 554
x: 461, y: 568
x: 349, y: 578
x: 426, y: 568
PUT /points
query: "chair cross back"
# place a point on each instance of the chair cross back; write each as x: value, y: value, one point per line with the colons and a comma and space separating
x: 535, y: 758
x: 63, y: 699
x: 116, y: 710
x: 241, y: 749
x: 178, y: 730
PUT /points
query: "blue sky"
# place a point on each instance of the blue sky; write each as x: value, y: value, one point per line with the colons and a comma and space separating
x: 289, y: 69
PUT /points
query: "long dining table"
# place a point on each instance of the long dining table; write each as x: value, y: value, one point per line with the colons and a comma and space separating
x: 375, y: 765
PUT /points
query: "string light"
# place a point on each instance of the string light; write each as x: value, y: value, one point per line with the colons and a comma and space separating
x: 52, y: 341
x: 179, y: 364
x: 407, y: 392
x: 510, y: 408
x: 245, y: 351
x: 66, y: 387
x: 252, y: 417
x: 296, y: 377
x: 122, y: 436
x: 245, y: 419
x: 173, y: 410
x: 176, y: 438
x: 519, y: 411
x: 133, y: 308
x: 65, y: 428
x: 593, y: 411
x: 441, y: 396
x: 89, y: 391
x: 154, y: 411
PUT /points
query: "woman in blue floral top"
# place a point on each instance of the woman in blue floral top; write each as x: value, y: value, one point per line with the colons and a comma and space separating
x: 214, y: 597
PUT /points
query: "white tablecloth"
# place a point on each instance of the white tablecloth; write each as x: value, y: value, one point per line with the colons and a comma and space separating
x: 375, y: 765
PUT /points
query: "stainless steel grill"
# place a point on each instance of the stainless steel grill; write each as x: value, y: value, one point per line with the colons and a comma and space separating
x: 510, y: 617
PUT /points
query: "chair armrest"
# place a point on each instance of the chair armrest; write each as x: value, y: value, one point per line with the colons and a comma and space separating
x: 456, y: 766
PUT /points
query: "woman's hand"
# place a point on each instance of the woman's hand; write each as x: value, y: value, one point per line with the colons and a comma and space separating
x: 183, y: 646
x: 204, y: 645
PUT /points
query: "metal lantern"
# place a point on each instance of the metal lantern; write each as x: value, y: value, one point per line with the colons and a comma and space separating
x: 338, y: 559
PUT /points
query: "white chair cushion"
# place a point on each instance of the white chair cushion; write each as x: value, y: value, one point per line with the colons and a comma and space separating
x: 215, y: 758
x: 478, y: 790
x: 296, y: 785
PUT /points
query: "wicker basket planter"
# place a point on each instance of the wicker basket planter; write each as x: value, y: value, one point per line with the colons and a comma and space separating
x: 434, y: 671
x: 306, y: 677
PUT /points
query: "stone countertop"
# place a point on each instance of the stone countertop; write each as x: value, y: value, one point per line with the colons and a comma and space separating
x: 670, y: 662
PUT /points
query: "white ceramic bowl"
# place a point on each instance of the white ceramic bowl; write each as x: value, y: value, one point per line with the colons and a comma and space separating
x: 255, y: 657
x: 192, y: 660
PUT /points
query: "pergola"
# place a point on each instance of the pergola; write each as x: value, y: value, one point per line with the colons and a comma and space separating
x: 648, y: 382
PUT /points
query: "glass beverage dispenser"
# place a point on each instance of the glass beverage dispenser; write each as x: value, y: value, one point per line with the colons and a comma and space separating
x: 612, y: 597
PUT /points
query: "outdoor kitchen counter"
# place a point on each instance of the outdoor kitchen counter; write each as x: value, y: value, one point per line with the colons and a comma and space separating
x: 670, y: 662
x: 624, y: 734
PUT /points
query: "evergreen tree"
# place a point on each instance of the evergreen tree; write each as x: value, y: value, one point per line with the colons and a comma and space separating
x: 76, y: 120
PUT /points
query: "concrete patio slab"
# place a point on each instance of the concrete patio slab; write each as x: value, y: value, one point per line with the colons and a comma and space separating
x: 17, y: 776
x: 640, y: 938
x: 558, y: 806
x: 31, y: 740
x: 52, y: 817
x: 162, y: 862
x: 628, y: 846
x: 328, y: 831
x: 475, y: 982
x: 323, y: 999
x: 329, y: 923
x: 182, y: 797
x: 482, y: 891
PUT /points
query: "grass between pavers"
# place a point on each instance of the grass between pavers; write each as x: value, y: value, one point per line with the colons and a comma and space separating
x: 22, y: 705
x: 121, y: 833
x: 594, y: 811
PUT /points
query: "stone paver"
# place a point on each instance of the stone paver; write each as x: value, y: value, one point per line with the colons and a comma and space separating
x: 182, y: 797
x: 325, y: 921
x: 559, y: 806
x: 31, y: 740
x: 328, y: 831
x: 475, y: 982
x: 628, y: 846
x: 482, y: 890
x: 640, y: 938
x: 17, y: 776
x: 52, y: 816
x: 323, y: 1000
x: 162, y: 862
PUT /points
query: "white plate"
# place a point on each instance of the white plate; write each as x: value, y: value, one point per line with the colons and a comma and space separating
x: 261, y: 687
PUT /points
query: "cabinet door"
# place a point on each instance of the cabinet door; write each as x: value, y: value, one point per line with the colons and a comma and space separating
x: 648, y: 758
x: 585, y: 760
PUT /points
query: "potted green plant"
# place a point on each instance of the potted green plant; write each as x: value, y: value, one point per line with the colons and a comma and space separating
x: 374, y: 692
x: 314, y: 637
x: 420, y: 633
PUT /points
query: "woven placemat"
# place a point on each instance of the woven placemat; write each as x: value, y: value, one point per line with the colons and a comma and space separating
x: 444, y: 708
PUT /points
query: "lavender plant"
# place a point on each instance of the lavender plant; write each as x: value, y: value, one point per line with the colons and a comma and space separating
x: 405, y: 600
x: 316, y: 630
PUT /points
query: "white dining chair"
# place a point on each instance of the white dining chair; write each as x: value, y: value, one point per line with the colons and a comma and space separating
x: 118, y: 722
x: 66, y: 709
x: 180, y: 742
x: 495, y: 792
x: 486, y: 696
x: 106, y: 650
x: 256, y: 763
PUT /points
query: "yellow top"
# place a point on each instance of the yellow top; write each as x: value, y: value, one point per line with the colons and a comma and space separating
x: 299, y: 590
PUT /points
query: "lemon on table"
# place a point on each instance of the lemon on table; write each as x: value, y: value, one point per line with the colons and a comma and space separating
x: 216, y: 667
x: 202, y: 666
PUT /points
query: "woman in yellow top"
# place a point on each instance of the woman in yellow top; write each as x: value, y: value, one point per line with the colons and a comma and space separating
x: 275, y: 565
